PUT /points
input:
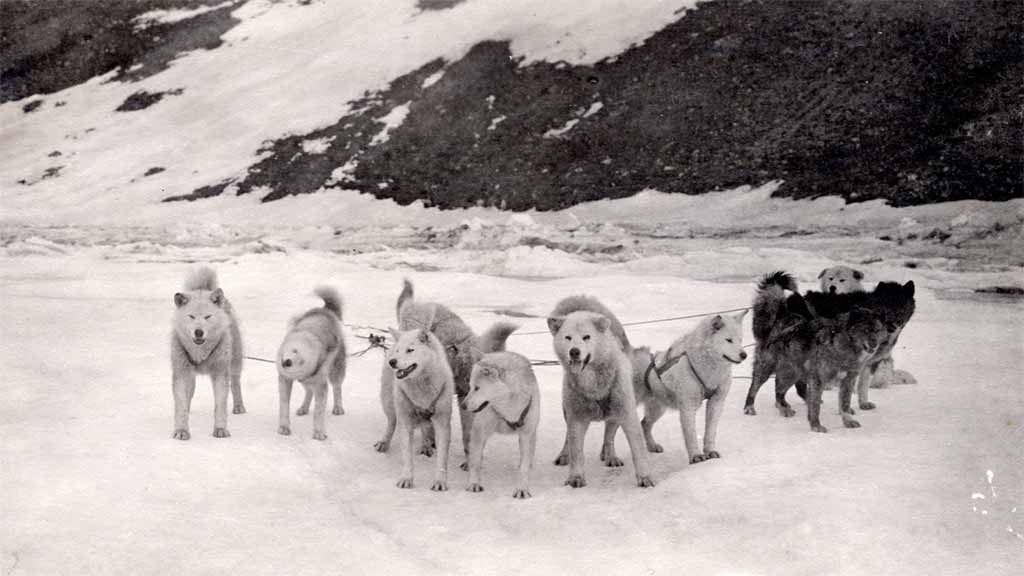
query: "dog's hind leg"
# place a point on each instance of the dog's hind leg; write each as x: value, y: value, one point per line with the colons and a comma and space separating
x: 784, y: 379
x: 764, y: 365
x: 845, y: 398
x: 608, y: 446
x: 337, y: 376
x: 319, y: 386
x: 653, y: 410
x: 284, y: 392
x: 304, y: 408
x: 220, y: 404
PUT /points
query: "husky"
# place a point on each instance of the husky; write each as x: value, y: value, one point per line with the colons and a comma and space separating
x: 840, y: 280
x: 462, y: 347
x: 313, y: 352
x: 696, y: 367
x: 205, y: 340
x: 809, y: 350
x: 597, y: 382
x: 504, y: 398
x: 419, y: 387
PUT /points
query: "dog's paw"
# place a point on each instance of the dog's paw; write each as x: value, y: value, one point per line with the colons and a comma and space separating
x: 239, y: 409
x: 851, y: 423
x: 576, y: 481
x: 697, y: 459
x: 382, y: 446
x: 655, y: 447
x: 440, y: 486
x: 284, y: 430
x: 474, y: 487
x: 562, y: 460
x: 404, y: 483
x: 181, y: 434
x: 302, y: 411
x: 644, y: 482
x: 867, y: 405
x: 338, y: 411
x: 787, y: 412
x: 317, y: 435
x: 713, y: 454
x: 464, y: 466
x: 521, y: 494
x: 614, y: 462
x: 749, y: 411
x: 849, y: 411
x: 818, y: 428
x: 221, y: 433
x: 426, y: 451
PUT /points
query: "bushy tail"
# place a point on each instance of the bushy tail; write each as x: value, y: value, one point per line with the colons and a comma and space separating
x: 202, y: 278
x: 331, y: 298
x: 770, y: 301
x: 406, y: 294
x: 493, y: 340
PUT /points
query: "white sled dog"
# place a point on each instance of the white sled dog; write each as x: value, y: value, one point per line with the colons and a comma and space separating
x: 597, y: 382
x: 205, y: 340
x: 840, y: 280
x: 418, y: 384
x: 504, y: 398
x: 695, y: 368
x: 313, y: 352
x: 462, y: 348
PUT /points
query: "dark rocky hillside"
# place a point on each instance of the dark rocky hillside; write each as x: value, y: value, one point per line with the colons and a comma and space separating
x: 910, y: 101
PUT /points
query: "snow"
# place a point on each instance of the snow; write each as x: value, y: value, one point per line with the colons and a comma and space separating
x: 432, y: 79
x: 172, y: 16
x: 559, y: 132
x: 316, y: 145
x: 391, y: 120
x: 94, y: 484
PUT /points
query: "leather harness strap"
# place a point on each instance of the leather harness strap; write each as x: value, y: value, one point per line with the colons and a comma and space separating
x: 672, y: 362
x: 522, y: 417
x: 423, y: 413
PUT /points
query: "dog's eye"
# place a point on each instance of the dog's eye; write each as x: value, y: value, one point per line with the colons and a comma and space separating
x: 842, y: 280
x: 586, y: 338
x: 729, y: 340
x: 409, y: 350
x: 191, y: 316
x: 207, y: 317
x: 568, y: 337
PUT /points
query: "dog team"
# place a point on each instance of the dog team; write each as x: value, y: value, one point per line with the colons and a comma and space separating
x: 841, y: 336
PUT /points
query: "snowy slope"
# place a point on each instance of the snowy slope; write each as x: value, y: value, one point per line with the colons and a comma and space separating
x: 92, y: 483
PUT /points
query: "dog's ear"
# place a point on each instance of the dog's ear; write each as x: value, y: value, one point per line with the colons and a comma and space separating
x: 908, y: 288
x: 858, y: 275
x: 395, y: 334
x: 739, y: 317
x: 717, y: 323
x: 180, y: 299
x: 217, y: 297
x: 555, y: 324
x: 602, y: 323
x: 423, y: 336
x: 822, y: 273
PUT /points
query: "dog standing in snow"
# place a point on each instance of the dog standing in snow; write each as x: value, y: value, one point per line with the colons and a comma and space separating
x: 205, y: 340
x: 504, y: 398
x: 313, y: 352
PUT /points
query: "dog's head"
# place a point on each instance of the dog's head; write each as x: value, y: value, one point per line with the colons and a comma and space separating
x: 841, y: 280
x: 726, y: 335
x: 894, y: 302
x: 412, y: 351
x: 866, y: 331
x: 581, y: 337
x: 459, y: 347
x: 200, y: 317
x: 487, y: 386
x: 299, y: 355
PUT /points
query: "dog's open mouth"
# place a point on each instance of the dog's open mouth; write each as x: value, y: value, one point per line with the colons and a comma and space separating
x: 482, y: 406
x: 740, y: 361
x: 199, y: 341
x: 405, y: 371
x: 578, y: 364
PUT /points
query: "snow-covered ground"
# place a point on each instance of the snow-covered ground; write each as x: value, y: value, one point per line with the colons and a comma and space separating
x: 92, y: 483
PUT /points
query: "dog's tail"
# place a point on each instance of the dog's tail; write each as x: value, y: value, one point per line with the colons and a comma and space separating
x: 493, y: 340
x: 331, y: 298
x: 770, y: 302
x: 202, y: 278
x: 406, y: 295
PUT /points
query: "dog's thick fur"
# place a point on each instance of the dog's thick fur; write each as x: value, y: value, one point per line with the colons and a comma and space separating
x: 313, y: 352
x: 809, y: 349
x: 696, y: 367
x: 840, y: 280
x: 205, y: 340
x: 505, y: 399
x: 418, y: 384
x: 462, y: 346
x: 597, y: 383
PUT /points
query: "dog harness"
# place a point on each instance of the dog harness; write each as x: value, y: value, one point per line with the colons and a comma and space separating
x: 423, y: 413
x: 522, y: 417
x: 205, y: 358
x: 672, y: 361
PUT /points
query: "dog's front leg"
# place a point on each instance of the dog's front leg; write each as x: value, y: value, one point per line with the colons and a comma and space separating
x: 653, y: 410
x: 608, y: 446
x: 687, y: 421
x: 466, y: 427
x: 714, y: 412
x: 577, y: 431
x: 284, y: 393
x: 477, y: 441
x: 845, y: 398
x: 527, y: 447
x: 220, y: 404
x: 407, y: 428
x: 183, y: 385
x: 864, y: 380
x: 238, y: 406
x: 319, y: 386
x: 814, y: 385
x: 637, y: 448
x: 442, y: 422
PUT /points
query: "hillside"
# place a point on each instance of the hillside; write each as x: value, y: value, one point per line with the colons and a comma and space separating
x: 911, y: 102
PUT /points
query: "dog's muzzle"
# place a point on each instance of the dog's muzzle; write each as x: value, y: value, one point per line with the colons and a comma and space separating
x: 743, y: 356
x: 402, y: 373
x: 578, y: 364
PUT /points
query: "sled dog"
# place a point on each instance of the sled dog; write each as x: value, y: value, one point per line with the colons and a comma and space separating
x: 313, y: 352
x: 504, y: 398
x: 597, y: 382
x: 840, y: 280
x: 205, y: 340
